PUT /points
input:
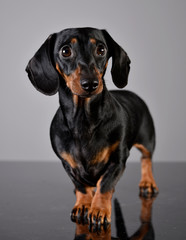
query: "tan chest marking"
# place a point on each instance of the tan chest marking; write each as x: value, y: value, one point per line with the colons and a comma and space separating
x: 104, y: 154
x: 69, y: 158
x: 101, y: 157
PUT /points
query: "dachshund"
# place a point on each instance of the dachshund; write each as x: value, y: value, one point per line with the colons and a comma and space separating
x: 93, y: 129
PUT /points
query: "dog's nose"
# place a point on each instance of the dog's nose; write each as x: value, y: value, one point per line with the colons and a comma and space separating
x: 89, y: 85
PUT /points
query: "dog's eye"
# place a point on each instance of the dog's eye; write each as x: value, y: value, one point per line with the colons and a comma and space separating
x: 101, y: 50
x: 66, y: 51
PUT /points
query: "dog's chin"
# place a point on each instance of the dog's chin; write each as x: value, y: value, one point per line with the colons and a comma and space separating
x: 85, y: 95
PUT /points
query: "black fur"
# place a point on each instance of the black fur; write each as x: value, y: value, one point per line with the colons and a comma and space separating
x: 85, y: 127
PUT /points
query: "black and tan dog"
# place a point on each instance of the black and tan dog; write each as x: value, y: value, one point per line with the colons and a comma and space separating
x: 93, y: 129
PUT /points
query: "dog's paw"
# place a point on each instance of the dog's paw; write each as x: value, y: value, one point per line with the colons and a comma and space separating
x: 99, y: 216
x: 79, y: 212
x: 148, y: 187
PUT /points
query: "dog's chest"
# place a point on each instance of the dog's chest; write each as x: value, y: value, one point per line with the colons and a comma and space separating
x: 89, y: 156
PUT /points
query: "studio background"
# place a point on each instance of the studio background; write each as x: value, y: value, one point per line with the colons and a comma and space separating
x: 153, y: 33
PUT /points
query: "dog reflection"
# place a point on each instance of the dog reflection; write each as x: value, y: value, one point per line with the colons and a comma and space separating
x: 145, y: 231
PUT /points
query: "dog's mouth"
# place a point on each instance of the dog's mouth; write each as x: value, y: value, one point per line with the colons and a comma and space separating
x: 85, y: 95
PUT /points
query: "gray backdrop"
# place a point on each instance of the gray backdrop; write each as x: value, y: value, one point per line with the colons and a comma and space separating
x: 153, y: 33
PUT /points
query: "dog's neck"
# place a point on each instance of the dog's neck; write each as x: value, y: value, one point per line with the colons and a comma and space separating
x: 83, y: 114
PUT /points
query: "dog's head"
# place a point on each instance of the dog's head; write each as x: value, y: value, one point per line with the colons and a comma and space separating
x: 78, y: 56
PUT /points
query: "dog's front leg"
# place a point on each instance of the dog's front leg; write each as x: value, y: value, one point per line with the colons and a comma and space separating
x: 83, y: 204
x: 101, y: 207
x: 100, y: 211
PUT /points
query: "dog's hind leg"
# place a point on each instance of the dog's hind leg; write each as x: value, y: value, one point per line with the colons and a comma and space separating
x: 147, y: 183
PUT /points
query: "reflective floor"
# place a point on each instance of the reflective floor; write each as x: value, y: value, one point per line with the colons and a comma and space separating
x: 36, y: 200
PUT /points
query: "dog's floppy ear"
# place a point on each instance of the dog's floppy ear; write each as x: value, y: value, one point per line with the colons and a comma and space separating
x: 40, y: 69
x: 120, y: 62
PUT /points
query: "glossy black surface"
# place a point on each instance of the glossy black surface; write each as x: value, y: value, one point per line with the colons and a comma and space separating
x: 36, y: 200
